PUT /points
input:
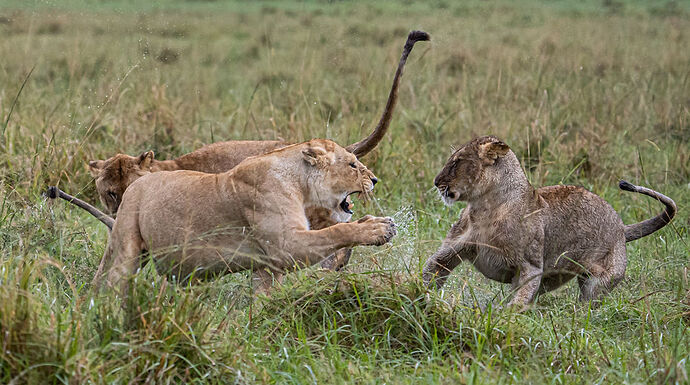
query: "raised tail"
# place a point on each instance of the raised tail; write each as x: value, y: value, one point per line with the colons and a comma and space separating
x: 646, y: 227
x: 53, y: 192
x: 367, y: 144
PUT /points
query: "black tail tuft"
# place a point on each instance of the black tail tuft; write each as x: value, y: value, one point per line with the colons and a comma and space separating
x: 627, y: 186
x: 648, y: 226
x: 416, y: 36
x: 52, y: 192
x: 367, y: 144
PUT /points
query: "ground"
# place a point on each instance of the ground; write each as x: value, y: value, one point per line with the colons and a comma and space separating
x: 585, y: 93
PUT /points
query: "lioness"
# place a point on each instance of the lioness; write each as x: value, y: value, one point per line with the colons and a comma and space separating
x: 116, y: 173
x: 535, y: 239
x: 252, y: 217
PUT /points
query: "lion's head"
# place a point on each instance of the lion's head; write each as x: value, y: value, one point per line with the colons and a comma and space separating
x: 115, y: 174
x: 333, y: 175
x: 471, y: 170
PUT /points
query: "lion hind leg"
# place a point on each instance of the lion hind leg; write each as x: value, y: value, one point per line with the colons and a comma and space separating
x: 599, y: 281
x: 525, y: 286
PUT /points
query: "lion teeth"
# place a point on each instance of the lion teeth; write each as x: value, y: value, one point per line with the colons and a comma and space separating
x: 346, y: 205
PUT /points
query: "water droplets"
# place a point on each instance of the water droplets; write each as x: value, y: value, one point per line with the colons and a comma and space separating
x: 401, y: 257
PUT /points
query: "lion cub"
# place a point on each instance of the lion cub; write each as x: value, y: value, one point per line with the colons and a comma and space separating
x: 536, y: 239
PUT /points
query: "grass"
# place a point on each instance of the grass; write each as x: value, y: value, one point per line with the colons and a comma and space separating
x: 584, y: 93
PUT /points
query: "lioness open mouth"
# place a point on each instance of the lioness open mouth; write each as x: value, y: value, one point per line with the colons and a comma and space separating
x: 347, y: 204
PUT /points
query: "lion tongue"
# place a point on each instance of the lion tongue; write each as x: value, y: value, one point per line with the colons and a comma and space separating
x: 347, y: 205
x: 350, y: 203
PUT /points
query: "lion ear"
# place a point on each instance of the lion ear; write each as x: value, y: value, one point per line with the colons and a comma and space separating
x: 95, y: 167
x: 489, y: 152
x: 145, y: 160
x: 314, y: 155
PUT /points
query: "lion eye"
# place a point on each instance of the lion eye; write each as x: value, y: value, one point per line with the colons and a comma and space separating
x: 112, y: 195
x: 353, y: 165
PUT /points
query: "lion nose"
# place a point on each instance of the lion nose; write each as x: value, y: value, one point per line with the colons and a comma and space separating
x: 437, y: 181
x: 374, y: 180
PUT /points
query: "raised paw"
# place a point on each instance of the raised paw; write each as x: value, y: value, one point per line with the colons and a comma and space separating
x: 376, y: 231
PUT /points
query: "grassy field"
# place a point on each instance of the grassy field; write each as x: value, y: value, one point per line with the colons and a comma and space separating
x: 586, y: 93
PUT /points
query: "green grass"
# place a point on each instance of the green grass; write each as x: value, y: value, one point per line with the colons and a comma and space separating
x: 585, y: 93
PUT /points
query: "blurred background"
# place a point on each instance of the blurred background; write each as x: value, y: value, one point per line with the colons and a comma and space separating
x: 585, y: 93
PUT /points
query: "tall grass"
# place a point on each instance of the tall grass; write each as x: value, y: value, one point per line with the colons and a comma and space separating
x: 584, y: 93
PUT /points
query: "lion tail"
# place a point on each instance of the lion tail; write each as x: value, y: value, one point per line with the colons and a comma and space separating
x: 646, y: 227
x: 53, y: 192
x: 367, y: 144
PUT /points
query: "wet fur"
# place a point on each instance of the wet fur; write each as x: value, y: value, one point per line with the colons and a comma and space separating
x: 535, y: 239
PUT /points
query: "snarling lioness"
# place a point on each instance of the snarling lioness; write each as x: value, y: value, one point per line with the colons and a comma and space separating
x: 116, y: 173
x: 198, y: 225
x: 536, y: 239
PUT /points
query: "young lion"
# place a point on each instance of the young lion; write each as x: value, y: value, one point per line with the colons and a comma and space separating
x: 535, y: 239
x: 252, y: 217
x: 116, y: 173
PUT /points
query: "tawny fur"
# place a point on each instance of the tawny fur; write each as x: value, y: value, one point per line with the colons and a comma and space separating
x: 116, y: 173
x: 249, y: 218
x: 535, y: 239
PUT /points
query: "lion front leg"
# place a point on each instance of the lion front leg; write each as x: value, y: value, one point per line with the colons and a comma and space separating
x: 320, y: 218
x: 105, y: 261
x: 525, y: 286
x: 305, y: 247
x: 438, y: 267
x: 126, y: 257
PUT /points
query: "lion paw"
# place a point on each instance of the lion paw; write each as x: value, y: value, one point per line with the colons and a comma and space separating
x: 376, y: 230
